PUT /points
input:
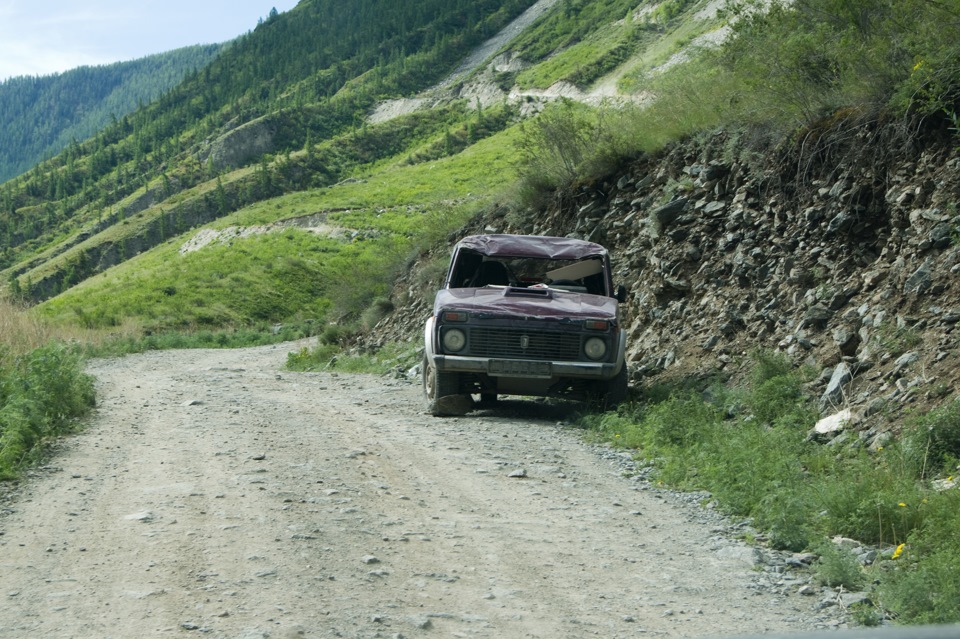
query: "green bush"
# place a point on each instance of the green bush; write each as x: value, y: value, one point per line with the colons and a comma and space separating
x: 683, y: 422
x: 748, y: 447
x: 327, y: 356
x: 868, y: 499
x: 924, y: 585
x: 809, y: 57
x: 259, y: 335
x: 838, y: 567
x: 41, y: 395
x: 785, y: 515
x: 932, y: 441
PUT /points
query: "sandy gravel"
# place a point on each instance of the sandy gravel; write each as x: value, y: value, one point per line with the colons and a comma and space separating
x: 216, y: 495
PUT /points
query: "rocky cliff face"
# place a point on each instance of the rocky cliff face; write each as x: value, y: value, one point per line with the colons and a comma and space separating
x: 241, y: 145
x: 840, y: 251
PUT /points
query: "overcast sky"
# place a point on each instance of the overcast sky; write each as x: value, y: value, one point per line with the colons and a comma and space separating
x: 40, y: 37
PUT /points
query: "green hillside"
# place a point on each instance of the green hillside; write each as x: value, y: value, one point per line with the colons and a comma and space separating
x: 41, y: 116
x: 285, y: 111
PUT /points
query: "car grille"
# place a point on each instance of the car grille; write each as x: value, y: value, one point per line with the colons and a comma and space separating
x: 509, y: 343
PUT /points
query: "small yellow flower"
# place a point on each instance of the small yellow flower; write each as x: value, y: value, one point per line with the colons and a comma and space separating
x: 918, y: 65
x: 617, y: 436
x: 879, y: 448
x: 902, y: 505
x: 898, y: 551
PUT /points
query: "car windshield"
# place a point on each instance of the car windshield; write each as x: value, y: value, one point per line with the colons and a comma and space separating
x: 580, y: 276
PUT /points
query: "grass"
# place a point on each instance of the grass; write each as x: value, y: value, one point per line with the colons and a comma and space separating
x: 749, y: 448
x: 292, y: 276
x: 43, y: 389
x: 21, y: 331
x: 327, y: 355
x: 573, y: 63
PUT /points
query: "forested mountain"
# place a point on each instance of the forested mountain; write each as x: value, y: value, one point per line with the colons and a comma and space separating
x: 41, y: 115
x: 303, y: 76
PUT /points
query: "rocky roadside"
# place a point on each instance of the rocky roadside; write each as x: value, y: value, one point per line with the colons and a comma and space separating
x: 779, y: 575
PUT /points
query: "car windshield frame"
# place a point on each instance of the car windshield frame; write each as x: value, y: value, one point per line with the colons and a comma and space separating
x: 553, y: 252
x: 532, y: 246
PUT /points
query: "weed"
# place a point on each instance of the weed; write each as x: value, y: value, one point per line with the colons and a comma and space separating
x: 42, y: 392
x: 748, y: 448
x: 838, y: 568
x: 932, y: 441
x: 332, y: 357
x: 897, y: 340
x: 866, y: 615
x: 379, y: 309
x: 924, y: 589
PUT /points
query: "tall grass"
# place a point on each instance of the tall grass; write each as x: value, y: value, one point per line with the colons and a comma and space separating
x: 43, y: 388
x: 20, y: 332
x: 788, y: 65
x: 749, y: 447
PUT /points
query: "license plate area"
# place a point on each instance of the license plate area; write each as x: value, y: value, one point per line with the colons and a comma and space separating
x: 519, y: 368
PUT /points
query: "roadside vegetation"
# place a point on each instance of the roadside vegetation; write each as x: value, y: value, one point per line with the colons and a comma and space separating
x: 43, y: 389
x: 798, y: 72
x: 752, y: 449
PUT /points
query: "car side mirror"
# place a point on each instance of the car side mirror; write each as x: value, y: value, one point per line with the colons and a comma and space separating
x: 621, y: 293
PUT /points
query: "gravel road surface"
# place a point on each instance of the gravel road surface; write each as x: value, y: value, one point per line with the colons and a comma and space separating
x: 216, y: 495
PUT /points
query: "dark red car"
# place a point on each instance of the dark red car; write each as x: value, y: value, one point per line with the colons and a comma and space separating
x: 524, y: 315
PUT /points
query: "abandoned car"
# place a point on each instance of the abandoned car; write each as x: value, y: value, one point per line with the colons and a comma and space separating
x: 524, y: 315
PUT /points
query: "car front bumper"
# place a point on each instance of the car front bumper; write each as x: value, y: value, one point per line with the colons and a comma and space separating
x: 531, y: 369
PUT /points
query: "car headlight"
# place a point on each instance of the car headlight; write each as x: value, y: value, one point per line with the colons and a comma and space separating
x: 454, y: 340
x: 595, y: 348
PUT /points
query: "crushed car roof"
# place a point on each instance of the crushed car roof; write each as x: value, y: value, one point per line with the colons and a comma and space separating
x: 556, y: 248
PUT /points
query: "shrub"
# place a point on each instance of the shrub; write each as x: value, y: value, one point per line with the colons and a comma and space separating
x: 838, y: 567
x: 380, y: 308
x: 392, y: 356
x: 932, y: 443
x: 681, y: 421
x: 553, y: 147
x: 785, y: 514
x: 768, y: 365
x: 41, y: 394
x: 867, y: 499
x: 808, y: 57
x: 924, y: 584
x: 744, y: 464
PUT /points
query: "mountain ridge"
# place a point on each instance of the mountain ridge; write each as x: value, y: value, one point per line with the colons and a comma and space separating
x: 83, y: 101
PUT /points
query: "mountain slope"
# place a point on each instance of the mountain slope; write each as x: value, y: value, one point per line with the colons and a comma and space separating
x: 287, y: 109
x: 42, y: 115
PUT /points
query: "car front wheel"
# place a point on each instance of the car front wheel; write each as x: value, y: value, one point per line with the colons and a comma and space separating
x: 613, y: 392
x: 441, y: 392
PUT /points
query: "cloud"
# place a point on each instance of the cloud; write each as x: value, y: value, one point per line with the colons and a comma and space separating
x: 54, y: 36
x: 39, y: 37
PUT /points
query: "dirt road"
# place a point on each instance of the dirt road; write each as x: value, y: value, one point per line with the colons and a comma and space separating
x: 216, y: 495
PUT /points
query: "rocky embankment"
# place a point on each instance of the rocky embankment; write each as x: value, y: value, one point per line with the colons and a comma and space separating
x: 839, y: 251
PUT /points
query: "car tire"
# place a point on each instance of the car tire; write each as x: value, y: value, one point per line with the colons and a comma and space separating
x: 441, y: 392
x: 613, y: 392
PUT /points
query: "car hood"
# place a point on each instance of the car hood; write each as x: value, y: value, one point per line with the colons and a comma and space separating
x: 506, y: 301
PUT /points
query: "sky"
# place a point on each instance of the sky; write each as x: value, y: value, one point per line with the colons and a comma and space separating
x: 41, y: 37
